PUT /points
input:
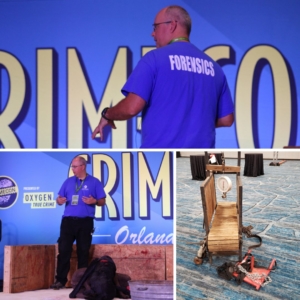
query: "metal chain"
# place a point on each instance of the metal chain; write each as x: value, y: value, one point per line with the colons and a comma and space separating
x: 223, y: 160
x: 256, y: 276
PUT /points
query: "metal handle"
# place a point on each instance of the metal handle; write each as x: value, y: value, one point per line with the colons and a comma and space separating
x: 142, y: 289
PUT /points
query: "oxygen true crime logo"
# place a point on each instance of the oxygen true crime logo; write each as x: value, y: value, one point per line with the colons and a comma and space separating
x: 8, y: 192
x: 40, y: 200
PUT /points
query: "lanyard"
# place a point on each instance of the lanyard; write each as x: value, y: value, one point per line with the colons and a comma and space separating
x: 179, y: 39
x: 78, y: 188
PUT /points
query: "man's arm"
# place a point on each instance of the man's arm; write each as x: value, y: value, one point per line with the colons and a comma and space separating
x: 92, y: 200
x: 61, y: 200
x: 124, y: 110
x: 226, y: 121
x: 100, y: 202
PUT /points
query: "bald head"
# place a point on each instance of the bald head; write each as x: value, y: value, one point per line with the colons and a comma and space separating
x: 79, y: 167
x: 81, y: 160
x: 180, y: 15
x: 170, y: 23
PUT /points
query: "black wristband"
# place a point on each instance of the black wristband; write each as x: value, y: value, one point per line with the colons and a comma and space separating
x: 104, y: 112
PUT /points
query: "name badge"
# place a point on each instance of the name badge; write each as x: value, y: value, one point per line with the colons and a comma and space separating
x: 74, y: 200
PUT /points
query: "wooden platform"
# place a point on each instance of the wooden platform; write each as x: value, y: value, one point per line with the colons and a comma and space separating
x: 28, y: 268
x: 222, y: 219
x: 223, y: 235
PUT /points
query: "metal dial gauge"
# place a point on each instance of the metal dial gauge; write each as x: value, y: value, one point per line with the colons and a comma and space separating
x: 224, y: 184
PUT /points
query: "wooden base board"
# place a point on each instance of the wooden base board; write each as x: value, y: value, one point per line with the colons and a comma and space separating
x: 28, y: 268
x: 140, y: 262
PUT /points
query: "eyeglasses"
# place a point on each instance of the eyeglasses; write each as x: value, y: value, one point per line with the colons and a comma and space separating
x: 74, y: 167
x: 156, y: 24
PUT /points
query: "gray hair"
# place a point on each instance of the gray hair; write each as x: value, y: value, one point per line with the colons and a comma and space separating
x: 179, y: 14
x: 81, y: 159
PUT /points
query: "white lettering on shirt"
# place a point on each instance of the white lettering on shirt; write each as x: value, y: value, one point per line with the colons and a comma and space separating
x: 191, y: 64
x: 183, y: 63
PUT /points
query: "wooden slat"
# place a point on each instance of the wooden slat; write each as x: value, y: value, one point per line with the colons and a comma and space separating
x: 225, y: 214
x: 224, y: 210
x: 239, y: 202
x: 28, y: 268
x: 232, y: 243
x: 129, y: 251
x: 215, y: 238
x: 227, y: 246
x: 227, y: 204
x: 224, y: 248
x: 7, y: 278
x: 169, y: 262
x: 224, y: 220
x: 223, y: 229
x: 227, y: 169
x: 223, y: 242
x: 209, y: 202
x: 230, y: 230
x: 224, y: 232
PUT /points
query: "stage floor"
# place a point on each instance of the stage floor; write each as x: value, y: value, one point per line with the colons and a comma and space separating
x: 48, y: 294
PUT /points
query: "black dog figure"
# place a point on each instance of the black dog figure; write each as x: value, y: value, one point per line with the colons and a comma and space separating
x: 100, y: 281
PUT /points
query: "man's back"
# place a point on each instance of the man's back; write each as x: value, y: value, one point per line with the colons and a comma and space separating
x: 186, y: 92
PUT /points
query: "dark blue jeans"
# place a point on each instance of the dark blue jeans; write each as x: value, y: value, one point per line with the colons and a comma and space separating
x: 73, y: 229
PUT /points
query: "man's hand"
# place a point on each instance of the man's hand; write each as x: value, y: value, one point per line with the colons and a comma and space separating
x: 99, y: 128
x: 61, y: 200
x: 89, y: 200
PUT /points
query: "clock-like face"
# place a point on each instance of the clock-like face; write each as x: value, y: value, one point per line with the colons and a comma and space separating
x: 224, y: 184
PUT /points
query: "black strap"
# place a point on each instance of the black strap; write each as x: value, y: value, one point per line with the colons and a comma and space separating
x: 247, y: 231
x: 90, y: 269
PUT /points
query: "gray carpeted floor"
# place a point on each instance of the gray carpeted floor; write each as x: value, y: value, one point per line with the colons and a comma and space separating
x: 271, y: 204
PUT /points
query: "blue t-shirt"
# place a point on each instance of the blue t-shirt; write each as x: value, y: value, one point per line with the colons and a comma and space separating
x: 91, y: 186
x: 185, y: 93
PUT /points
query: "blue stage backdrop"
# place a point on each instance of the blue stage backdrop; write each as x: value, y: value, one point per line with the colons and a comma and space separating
x: 63, y: 61
x: 139, y: 203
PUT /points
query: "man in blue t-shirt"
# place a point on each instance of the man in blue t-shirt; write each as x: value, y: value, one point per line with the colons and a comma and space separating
x: 182, y: 93
x: 80, y: 194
